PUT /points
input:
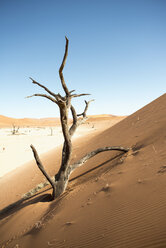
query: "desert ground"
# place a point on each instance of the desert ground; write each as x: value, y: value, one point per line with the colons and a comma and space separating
x: 115, y: 200
x: 15, y: 148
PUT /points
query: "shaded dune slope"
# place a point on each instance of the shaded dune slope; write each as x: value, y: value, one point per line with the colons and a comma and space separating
x: 110, y: 202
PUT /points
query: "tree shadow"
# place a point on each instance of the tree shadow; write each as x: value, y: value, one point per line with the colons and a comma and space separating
x: 18, y: 205
x: 98, y: 166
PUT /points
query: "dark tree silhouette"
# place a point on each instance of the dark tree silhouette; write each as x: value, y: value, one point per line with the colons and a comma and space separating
x: 15, y: 129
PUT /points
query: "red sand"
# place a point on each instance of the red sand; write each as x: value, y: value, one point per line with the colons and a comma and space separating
x: 109, y: 203
x: 9, y: 122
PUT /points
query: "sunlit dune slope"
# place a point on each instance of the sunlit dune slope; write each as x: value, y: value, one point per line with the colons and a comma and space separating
x: 9, y: 122
x: 110, y: 202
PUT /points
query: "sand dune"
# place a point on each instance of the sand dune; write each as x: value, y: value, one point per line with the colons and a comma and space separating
x: 25, y: 122
x: 110, y: 202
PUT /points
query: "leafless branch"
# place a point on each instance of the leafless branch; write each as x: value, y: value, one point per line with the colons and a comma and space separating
x: 95, y: 152
x: 41, y: 167
x: 77, y: 122
x: 71, y: 91
x: 78, y: 95
x: 43, y: 95
x: 45, y: 88
x: 61, y: 68
x: 86, y: 108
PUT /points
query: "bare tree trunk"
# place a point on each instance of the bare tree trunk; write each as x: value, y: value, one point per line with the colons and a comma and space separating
x: 62, y: 176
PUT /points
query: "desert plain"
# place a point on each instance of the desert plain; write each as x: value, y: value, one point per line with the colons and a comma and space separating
x: 115, y: 200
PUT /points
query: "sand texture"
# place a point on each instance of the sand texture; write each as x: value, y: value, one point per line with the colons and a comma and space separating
x: 113, y: 201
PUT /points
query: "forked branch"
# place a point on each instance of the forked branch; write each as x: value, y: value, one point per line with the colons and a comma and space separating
x: 86, y: 108
x: 45, y: 88
x: 77, y: 122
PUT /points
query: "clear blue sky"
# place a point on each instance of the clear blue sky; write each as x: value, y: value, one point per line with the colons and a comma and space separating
x: 117, y: 52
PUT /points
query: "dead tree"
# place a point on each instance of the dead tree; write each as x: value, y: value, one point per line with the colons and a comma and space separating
x: 15, y: 129
x: 60, y: 180
x: 51, y: 131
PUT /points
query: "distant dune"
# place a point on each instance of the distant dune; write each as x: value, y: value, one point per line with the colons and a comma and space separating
x: 8, y: 122
x: 50, y: 121
x: 113, y: 201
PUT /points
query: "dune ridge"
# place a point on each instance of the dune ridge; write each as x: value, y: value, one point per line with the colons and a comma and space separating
x: 120, y: 202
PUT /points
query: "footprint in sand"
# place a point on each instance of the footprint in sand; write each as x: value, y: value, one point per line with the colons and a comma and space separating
x: 69, y: 223
x: 106, y: 188
x: 51, y: 243
x: 162, y: 169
